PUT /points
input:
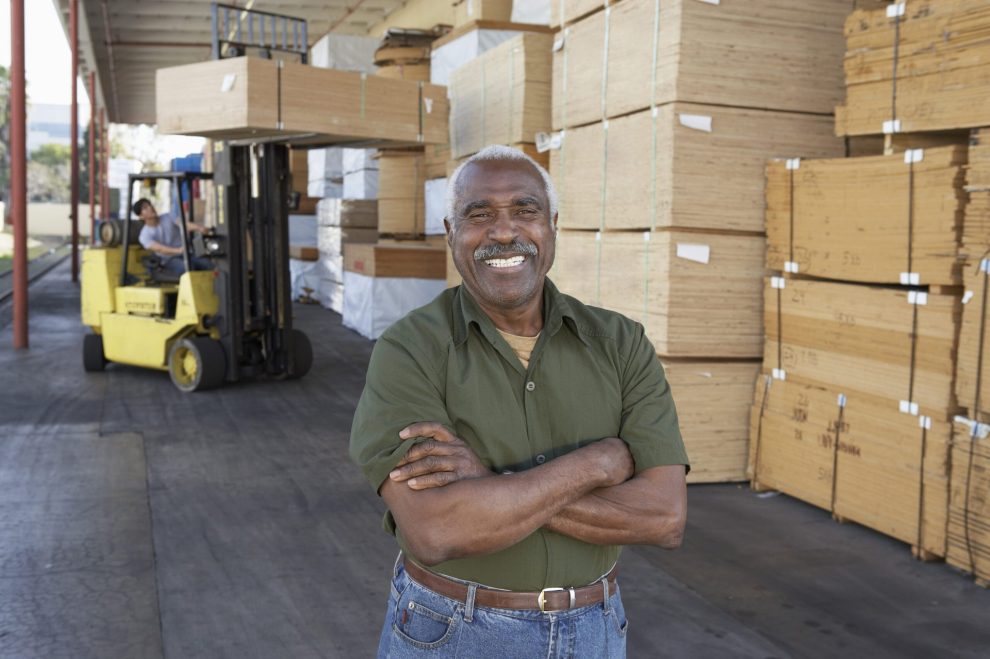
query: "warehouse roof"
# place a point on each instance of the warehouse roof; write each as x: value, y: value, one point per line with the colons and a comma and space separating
x: 125, y: 41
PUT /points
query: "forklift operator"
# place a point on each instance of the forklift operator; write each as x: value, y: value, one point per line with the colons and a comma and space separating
x: 161, y: 236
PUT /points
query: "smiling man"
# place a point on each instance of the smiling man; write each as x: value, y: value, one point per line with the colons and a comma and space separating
x: 519, y: 438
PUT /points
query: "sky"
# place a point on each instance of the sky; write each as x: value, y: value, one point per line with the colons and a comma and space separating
x: 47, y: 69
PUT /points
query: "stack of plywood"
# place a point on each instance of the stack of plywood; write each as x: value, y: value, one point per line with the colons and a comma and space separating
x: 341, y: 222
x: 968, y: 528
x: 665, y: 114
x: 891, y: 219
x: 501, y: 97
x: 401, y: 209
x: 299, y: 169
x: 404, y: 62
x: 919, y: 65
x: 466, y: 11
x: 248, y: 97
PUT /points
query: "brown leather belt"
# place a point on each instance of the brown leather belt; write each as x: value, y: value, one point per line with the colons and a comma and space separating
x: 548, y: 599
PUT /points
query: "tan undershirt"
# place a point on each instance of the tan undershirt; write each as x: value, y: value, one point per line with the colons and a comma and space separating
x: 521, y: 345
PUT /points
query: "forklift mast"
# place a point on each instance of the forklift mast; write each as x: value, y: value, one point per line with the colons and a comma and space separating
x: 252, y: 211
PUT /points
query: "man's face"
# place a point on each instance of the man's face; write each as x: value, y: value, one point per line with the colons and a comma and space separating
x: 502, y: 237
x: 149, y: 215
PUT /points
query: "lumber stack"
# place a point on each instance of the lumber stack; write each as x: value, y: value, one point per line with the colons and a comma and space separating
x: 466, y: 11
x: 404, y: 54
x: 968, y: 527
x: 502, y: 96
x: 916, y: 66
x: 248, y: 97
x: 665, y: 114
x: 341, y: 222
x: 886, y: 219
x: 401, y: 209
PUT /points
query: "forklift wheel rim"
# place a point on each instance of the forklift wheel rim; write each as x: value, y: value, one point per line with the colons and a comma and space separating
x: 185, y: 366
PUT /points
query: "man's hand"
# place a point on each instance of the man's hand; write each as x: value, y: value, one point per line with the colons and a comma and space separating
x: 441, y: 460
x: 616, y: 460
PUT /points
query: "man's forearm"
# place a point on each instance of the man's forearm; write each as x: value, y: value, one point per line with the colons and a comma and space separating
x: 483, y: 515
x: 648, y: 509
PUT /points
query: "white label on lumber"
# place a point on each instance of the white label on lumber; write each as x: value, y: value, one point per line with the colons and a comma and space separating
x: 917, y: 297
x: 985, y: 266
x: 470, y: 8
x: 910, y: 279
x: 228, y: 82
x: 598, y: 236
x: 694, y: 252
x: 779, y: 374
x: 558, y: 41
x: 914, y: 155
x: 646, y: 236
x: 711, y: 2
x: 895, y: 10
x: 791, y: 266
x: 700, y: 122
x: 778, y: 282
x: 908, y: 407
x: 967, y: 296
x: 547, y: 141
x: 841, y: 400
x: 428, y: 102
x: 793, y: 163
x: 925, y: 422
x: 891, y: 126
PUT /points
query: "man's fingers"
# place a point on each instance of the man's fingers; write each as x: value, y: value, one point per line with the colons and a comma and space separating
x: 435, y: 479
x: 427, y: 448
x: 433, y: 429
x: 426, y: 465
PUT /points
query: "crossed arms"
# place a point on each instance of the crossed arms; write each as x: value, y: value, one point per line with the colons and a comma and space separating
x: 449, y: 505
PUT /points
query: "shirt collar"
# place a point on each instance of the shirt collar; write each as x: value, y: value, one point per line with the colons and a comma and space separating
x: 466, y: 312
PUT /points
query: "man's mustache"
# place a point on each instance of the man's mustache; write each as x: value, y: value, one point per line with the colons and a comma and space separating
x: 499, y: 249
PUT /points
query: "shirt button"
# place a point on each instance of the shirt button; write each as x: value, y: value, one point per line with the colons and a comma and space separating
x: 540, y: 459
x: 530, y: 386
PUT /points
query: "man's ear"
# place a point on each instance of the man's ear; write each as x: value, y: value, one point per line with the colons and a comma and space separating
x: 450, y: 231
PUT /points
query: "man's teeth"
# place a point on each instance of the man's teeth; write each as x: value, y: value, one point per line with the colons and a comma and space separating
x: 506, y: 263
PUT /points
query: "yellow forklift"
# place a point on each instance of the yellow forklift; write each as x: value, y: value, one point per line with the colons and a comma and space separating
x: 204, y: 327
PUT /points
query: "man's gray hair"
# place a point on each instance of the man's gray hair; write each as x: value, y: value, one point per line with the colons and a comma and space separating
x: 498, y: 152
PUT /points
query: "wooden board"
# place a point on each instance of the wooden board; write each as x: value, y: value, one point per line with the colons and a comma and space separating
x: 466, y: 11
x: 249, y: 108
x: 973, y: 360
x: 689, y: 308
x: 869, y: 219
x: 435, y: 158
x: 543, y: 159
x: 304, y: 252
x: 858, y: 339
x: 976, y: 229
x: 461, y: 30
x: 299, y: 168
x: 502, y: 96
x: 405, y: 71
x: 401, y: 204
x: 295, y: 100
x: 942, y: 80
x: 715, y: 436
x: 425, y: 262
x: 404, y: 54
x: 645, y: 171
x: 767, y: 54
x: 865, y: 462
x: 969, y: 503
x: 331, y: 239
x: 348, y: 213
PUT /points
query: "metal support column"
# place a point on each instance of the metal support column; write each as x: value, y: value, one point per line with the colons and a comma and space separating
x: 74, y: 135
x: 18, y: 172
x: 105, y: 166
x: 92, y: 157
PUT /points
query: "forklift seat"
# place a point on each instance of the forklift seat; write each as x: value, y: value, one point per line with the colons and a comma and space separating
x: 156, y: 271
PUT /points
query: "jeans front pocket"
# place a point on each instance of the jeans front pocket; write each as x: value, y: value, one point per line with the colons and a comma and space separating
x: 423, y: 620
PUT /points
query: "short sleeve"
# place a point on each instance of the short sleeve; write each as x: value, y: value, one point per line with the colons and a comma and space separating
x: 649, y: 419
x: 146, y: 237
x: 401, y: 388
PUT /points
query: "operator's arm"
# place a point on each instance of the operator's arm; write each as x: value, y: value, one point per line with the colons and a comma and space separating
x: 478, y: 516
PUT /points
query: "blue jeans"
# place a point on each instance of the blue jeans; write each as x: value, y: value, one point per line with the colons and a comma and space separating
x: 422, y: 623
x: 177, y: 266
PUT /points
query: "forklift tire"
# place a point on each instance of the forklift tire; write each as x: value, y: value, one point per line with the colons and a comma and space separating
x: 302, y: 355
x: 93, y: 358
x: 197, y: 364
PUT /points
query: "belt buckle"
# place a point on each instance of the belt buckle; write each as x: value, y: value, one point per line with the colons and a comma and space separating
x: 542, y: 600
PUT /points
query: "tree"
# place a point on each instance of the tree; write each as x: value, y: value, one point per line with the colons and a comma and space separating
x: 4, y: 135
x: 49, y: 173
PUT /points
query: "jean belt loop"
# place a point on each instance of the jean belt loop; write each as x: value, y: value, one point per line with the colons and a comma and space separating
x: 398, y: 562
x: 605, y: 602
x: 469, y: 604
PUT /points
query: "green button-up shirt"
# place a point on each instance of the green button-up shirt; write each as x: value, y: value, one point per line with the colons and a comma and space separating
x: 592, y: 374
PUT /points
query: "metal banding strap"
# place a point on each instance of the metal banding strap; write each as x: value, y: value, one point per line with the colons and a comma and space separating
x: 598, y: 268
x: 604, y: 93
x: 835, y: 449
x: 364, y: 79
x: 484, y: 104
x: 925, y: 423
x: 654, y: 113
x: 895, y: 11
x: 779, y: 283
x: 646, y: 277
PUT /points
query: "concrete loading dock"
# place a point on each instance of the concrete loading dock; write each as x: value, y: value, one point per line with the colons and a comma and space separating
x: 141, y: 522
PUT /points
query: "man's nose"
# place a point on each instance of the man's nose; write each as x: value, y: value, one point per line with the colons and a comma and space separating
x: 503, y: 229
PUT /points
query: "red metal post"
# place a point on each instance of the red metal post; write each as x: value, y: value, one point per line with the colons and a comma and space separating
x: 18, y: 171
x: 74, y: 134
x: 101, y: 133
x: 92, y: 157
x: 105, y: 166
